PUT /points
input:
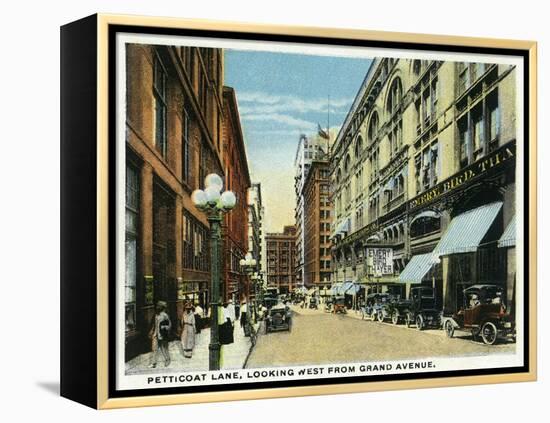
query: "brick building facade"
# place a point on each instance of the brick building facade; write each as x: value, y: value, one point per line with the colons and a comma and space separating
x: 237, y: 179
x: 173, y: 125
x: 281, y: 259
x: 317, y: 222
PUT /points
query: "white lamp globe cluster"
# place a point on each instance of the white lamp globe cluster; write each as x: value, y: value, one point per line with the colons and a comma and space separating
x: 212, y: 197
x: 248, y: 260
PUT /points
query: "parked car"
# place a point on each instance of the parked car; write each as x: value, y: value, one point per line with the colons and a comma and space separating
x: 483, y: 313
x: 279, y: 317
x: 395, y: 308
x: 339, y: 306
x: 422, y: 310
x: 313, y: 303
x: 373, y: 303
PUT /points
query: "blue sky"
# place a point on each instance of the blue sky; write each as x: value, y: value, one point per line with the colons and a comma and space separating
x: 280, y: 96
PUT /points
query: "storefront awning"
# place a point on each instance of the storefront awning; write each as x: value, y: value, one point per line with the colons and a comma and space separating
x: 508, y: 238
x: 466, y: 231
x: 335, y: 288
x: 416, y: 269
x: 349, y: 288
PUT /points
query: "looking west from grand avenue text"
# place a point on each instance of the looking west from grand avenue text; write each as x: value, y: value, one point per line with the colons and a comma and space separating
x: 288, y: 209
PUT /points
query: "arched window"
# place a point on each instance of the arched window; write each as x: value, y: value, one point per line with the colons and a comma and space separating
x: 394, y: 96
x: 347, y: 163
x: 358, y: 146
x: 373, y: 128
x: 339, y: 176
x: 416, y: 67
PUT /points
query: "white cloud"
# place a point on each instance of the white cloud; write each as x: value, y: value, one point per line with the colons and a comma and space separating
x: 286, y: 120
x: 261, y: 102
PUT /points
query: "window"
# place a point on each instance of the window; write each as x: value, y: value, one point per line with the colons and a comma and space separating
x: 159, y: 93
x: 427, y: 167
x: 195, y: 244
x: 373, y: 165
x: 358, y: 147
x: 359, y: 182
x: 394, y: 96
x: 479, y: 130
x: 347, y: 163
x: 186, y: 171
x: 132, y: 215
x: 359, y: 218
x: 372, y: 132
x: 395, y: 137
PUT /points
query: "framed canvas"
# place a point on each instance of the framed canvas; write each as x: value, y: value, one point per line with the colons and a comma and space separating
x: 254, y: 211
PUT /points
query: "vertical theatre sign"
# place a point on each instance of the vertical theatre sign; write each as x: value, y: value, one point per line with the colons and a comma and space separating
x: 379, y: 261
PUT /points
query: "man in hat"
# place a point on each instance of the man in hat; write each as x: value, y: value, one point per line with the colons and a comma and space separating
x: 160, y: 334
x: 188, y: 329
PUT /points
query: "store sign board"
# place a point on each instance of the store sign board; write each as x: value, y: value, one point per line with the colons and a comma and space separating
x: 379, y: 261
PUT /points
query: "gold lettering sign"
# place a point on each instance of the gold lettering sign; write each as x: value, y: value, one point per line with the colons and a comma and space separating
x: 495, y: 159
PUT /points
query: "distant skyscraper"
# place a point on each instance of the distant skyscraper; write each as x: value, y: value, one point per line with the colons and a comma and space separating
x: 309, y: 149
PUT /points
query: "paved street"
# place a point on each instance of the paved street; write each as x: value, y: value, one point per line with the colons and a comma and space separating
x: 318, y: 338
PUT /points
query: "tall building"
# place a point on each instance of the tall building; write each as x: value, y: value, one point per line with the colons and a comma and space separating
x: 423, y: 178
x: 237, y: 179
x: 173, y: 123
x: 255, y: 221
x: 313, y: 148
x: 281, y: 259
x: 317, y: 222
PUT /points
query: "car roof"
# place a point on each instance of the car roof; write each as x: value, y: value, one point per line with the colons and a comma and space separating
x: 480, y: 287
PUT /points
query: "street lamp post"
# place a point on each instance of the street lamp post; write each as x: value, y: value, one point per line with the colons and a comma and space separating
x: 214, y: 203
x: 249, y: 265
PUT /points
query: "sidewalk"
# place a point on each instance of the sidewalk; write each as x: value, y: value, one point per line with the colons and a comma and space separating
x: 233, y: 356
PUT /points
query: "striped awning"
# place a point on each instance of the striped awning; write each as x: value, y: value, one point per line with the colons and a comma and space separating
x: 466, y: 231
x: 350, y: 288
x: 416, y: 269
x: 508, y: 238
x: 335, y: 288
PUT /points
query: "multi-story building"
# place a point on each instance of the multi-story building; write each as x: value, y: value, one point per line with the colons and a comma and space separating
x: 173, y: 123
x: 317, y: 222
x: 255, y: 220
x: 309, y: 148
x: 281, y: 259
x: 237, y: 179
x: 423, y: 177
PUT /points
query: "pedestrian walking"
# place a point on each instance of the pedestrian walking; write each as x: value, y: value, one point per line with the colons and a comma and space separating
x: 159, y: 335
x: 244, y: 318
x: 188, y: 331
x: 199, y: 324
x: 226, y: 328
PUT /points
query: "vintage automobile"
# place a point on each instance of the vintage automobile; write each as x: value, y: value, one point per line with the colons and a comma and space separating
x: 339, y: 306
x: 483, y: 313
x: 279, y: 317
x: 395, y: 309
x: 422, y: 310
x: 313, y: 303
x: 373, y: 303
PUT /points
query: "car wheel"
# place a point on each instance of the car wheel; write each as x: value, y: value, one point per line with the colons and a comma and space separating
x: 409, y: 320
x: 449, y: 329
x: 380, y: 316
x: 419, y: 322
x: 489, y: 333
x: 395, y: 317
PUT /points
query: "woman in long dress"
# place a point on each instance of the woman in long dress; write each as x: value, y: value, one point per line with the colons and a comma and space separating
x: 188, y: 331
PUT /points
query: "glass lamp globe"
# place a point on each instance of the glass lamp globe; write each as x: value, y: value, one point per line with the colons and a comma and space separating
x: 213, y: 181
x: 242, y: 262
x: 228, y: 200
x: 212, y: 195
x: 199, y: 198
